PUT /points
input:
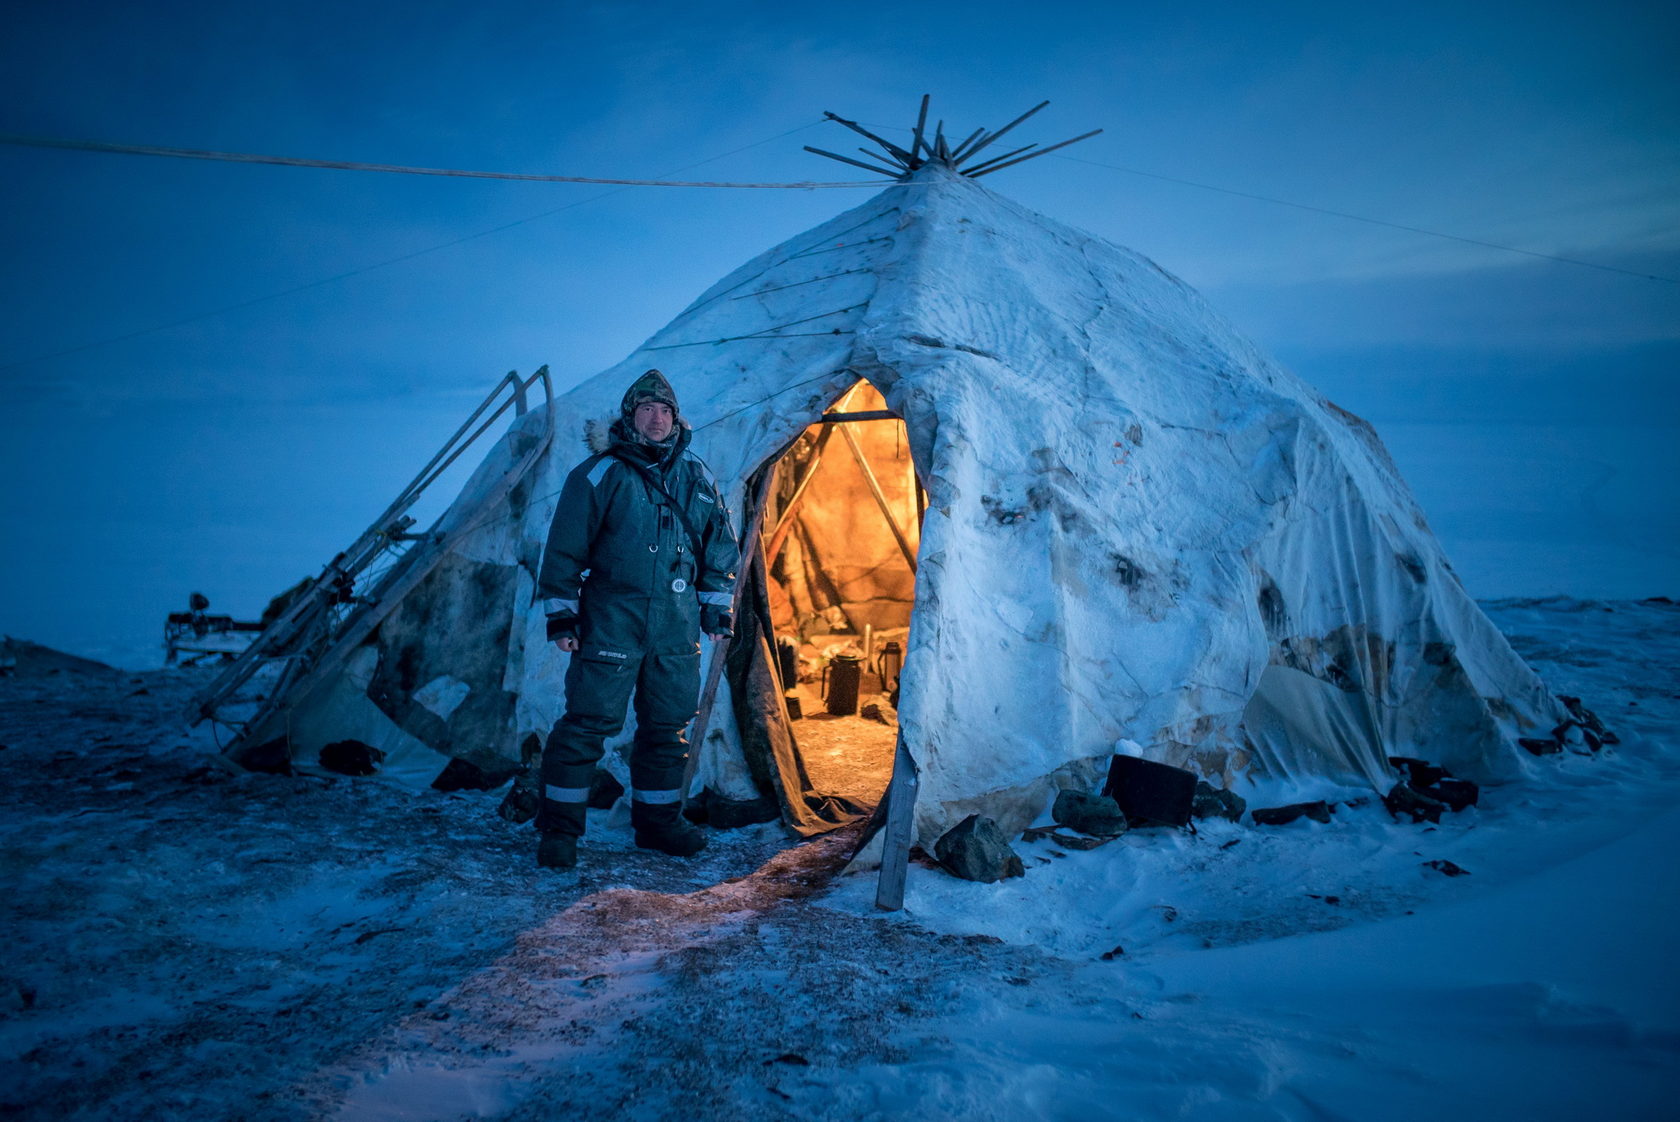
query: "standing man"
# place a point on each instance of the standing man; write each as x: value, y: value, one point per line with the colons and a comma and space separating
x: 640, y: 559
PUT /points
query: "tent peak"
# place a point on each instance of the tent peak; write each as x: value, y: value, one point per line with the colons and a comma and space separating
x: 899, y: 162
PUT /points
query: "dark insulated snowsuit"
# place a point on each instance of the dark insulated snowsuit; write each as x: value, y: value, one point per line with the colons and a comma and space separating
x: 620, y: 557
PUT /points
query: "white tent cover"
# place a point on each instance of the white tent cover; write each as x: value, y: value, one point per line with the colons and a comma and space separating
x: 1139, y: 527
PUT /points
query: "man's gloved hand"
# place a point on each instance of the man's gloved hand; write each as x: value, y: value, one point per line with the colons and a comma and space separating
x: 562, y: 629
x: 717, y: 621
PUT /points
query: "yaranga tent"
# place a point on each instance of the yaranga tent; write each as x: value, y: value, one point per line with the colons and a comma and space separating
x: 1125, y: 523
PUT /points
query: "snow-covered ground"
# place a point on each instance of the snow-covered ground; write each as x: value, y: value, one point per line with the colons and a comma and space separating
x: 189, y: 942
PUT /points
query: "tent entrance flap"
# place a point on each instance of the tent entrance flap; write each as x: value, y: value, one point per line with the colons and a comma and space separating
x: 825, y: 614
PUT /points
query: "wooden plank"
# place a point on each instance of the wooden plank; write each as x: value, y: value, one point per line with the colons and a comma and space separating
x: 1036, y: 155
x: 862, y: 415
x: 895, y: 840
x: 880, y: 497
x: 992, y: 139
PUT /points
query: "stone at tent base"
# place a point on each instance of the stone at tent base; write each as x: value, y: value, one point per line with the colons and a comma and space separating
x: 1448, y: 868
x: 1537, y: 746
x: 273, y: 757
x: 1589, y: 720
x: 1089, y: 814
x: 351, y: 757
x: 464, y: 775
x: 519, y: 805
x: 1318, y: 810
x: 1403, y: 800
x: 1456, y: 793
x: 714, y: 810
x: 604, y: 789
x: 1419, y: 773
x: 1215, y: 802
x: 1151, y: 794
x: 975, y: 849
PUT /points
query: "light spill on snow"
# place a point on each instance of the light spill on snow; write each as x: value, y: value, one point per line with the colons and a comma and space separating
x: 196, y: 945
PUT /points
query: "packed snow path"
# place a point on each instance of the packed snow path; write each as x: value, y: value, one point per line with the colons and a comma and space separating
x: 192, y: 943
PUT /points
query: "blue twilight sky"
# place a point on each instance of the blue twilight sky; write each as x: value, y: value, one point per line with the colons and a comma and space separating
x: 239, y: 450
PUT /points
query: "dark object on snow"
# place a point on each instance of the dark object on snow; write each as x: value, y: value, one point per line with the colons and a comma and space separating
x: 1318, y: 811
x: 712, y: 809
x: 1404, y: 800
x: 1110, y: 956
x: 604, y: 789
x: 1151, y: 794
x: 1066, y: 841
x: 1589, y: 720
x: 1419, y: 773
x: 1450, y: 868
x: 1214, y: 802
x: 795, y: 709
x: 1091, y: 814
x: 975, y: 849
x: 1456, y: 793
x: 520, y: 804
x: 463, y: 775
x: 351, y: 757
x: 1538, y: 747
x: 793, y: 1058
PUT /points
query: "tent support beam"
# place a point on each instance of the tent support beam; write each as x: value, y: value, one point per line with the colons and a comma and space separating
x: 895, y: 843
x: 784, y: 521
x: 880, y: 498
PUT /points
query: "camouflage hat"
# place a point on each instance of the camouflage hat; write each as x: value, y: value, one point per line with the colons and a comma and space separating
x: 651, y: 386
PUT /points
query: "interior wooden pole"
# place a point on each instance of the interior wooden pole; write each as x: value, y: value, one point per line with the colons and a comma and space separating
x: 880, y: 497
x: 784, y: 521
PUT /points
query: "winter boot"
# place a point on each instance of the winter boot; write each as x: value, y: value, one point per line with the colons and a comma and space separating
x: 661, y: 827
x: 557, y: 851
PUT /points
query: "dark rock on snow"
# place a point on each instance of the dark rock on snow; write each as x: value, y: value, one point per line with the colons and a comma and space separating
x: 351, y: 757
x: 1404, y: 800
x: 1540, y: 747
x: 1448, y: 868
x: 975, y: 849
x: 1419, y: 773
x: 519, y: 806
x: 1456, y: 793
x: 1318, y: 811
x: 1213, y: 802
x: 1089, y: 814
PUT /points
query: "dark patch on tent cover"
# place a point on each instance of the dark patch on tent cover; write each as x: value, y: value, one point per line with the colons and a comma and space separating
x: 456, y: 623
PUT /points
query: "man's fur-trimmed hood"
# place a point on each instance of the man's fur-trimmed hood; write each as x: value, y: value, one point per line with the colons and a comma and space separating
x: 601, y: 433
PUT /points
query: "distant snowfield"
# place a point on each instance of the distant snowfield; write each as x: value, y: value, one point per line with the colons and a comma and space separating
x: 189, y: 943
